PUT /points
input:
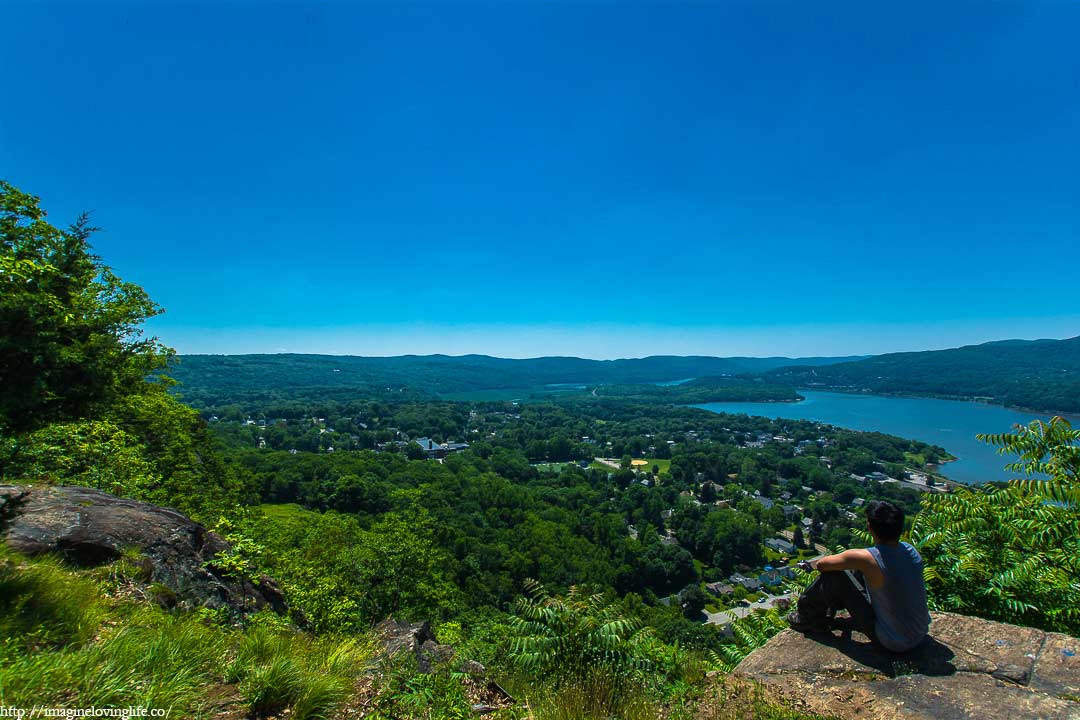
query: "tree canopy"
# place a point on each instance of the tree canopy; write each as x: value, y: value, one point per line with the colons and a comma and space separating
x: 70, y: 338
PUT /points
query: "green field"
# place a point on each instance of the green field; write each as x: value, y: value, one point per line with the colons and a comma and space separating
x: 664, y: 465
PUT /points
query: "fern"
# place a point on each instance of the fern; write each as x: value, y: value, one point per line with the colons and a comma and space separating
x: 1011, y: 553
x: 567, y: 637
x: 749, y: 633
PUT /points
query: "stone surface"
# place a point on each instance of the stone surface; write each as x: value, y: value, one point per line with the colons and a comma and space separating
x: 90, y: 527
x: 397, y: 636
x: 967, y: 668
x: 473, y: 669
x: 416, y: 638
x: 432, y: 654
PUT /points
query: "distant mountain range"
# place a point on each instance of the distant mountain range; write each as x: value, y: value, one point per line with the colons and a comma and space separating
x: 1036, y: 374
x: 215, y: 379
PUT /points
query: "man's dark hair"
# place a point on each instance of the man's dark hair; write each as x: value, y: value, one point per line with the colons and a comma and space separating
x: 886, y: 520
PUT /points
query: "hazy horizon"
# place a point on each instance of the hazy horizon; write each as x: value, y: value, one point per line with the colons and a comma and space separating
x: 548, y: 342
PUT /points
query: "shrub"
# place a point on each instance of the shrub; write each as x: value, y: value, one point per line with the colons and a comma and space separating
x: 571, y: 636
x: 1011, y: 553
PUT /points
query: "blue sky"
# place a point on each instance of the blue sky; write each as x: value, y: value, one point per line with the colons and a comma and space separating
x: 595, y: 179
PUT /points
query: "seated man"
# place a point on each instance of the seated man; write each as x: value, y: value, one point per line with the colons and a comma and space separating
x: 894, y: 615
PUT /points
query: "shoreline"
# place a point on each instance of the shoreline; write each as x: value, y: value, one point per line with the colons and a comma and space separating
x: 1070, y: 416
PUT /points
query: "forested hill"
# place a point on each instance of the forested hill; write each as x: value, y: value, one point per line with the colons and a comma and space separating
x: 207, y: 379
x: 1037, y: 374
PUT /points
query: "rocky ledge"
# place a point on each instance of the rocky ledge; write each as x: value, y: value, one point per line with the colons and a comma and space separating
x: 89, y: 527
x: 967, y: 668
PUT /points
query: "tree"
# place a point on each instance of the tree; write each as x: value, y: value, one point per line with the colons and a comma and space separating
x: 692, y: 600
x: 797, y: 538
x: 708, y: 493
x: 77, y: 404
x: 1011, y: 553
x: 70, y: 337
x: 765, y: 485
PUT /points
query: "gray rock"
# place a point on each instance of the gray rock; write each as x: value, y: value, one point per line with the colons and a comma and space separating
x: 473, y: 669
x: 432, y: 654
x: 397, y: 636
x: 967, y: 668
x: 90, y: 527
x: 417, y: 639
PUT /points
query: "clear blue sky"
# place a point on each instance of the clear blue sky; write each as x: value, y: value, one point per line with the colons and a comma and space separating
x: 607, y: 179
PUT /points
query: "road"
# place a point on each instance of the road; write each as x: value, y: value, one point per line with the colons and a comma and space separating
x: 725, y: 616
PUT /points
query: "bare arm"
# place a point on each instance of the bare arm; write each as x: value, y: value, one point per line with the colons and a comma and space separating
x: 856, y: 559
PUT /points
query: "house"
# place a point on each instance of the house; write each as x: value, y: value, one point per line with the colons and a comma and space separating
x: 720, y: 589
x: 432, y: 448
x: 806, y: 523
x: 790, y: 511
x: 780, y: 545
x: 749, y: 583
x: 770, y: 577
x: 858, y: 502
x: 764, y: 501
x: 439, y: 450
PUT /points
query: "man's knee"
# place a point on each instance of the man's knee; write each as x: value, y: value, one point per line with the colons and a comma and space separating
x: 834, y: 578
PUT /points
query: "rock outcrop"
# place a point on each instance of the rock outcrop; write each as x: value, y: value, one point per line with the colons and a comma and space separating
x: 417, y: 639
x: 89, y: 527
x: 967, y: 668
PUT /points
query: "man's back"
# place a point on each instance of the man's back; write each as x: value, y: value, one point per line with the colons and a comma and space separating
x: 899, y: 603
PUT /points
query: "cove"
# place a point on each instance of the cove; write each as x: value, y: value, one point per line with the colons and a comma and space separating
x: 952, y: 424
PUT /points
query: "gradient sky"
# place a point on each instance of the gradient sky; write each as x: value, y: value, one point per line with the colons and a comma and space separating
x: 595, y: 179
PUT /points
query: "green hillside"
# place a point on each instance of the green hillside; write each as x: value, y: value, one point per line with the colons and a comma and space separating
x: 1037, y: 374
x: 218, y: 379
x: 706, y: 390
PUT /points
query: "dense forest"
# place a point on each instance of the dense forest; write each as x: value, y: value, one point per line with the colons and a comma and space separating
x: 574, y: 543
x: 1040, y: 375
x: 236, y: 378
x: 705, y: 390
x: 1037, y: 374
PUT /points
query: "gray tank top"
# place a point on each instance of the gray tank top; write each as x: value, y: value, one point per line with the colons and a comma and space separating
x: 900, y: 603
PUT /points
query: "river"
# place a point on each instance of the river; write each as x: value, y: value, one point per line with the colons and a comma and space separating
x: 952, y: 424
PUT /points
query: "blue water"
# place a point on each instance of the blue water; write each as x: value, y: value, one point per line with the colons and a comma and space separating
x: 952, y: 424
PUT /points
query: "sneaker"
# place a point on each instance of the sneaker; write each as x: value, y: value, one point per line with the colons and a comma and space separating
x: 799, y: 625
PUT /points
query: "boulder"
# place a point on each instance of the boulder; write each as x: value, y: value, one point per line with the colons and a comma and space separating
x: 966, y: 668
x: 90, y: 527
x: 397, y: 636
x: 413, y: 638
